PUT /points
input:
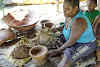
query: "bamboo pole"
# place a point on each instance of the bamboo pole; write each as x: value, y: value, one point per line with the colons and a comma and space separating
x: 2, y: 7
x: 3, y: 10
x: 58, y: 2
x: 98, y: 2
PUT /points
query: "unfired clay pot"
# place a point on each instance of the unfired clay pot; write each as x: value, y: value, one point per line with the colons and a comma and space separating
x: 38, y: 54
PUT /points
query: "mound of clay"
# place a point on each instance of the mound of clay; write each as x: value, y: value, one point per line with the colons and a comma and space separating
x: 21, y: 52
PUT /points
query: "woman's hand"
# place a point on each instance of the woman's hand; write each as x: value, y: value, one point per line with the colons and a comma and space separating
x: 54, y: 53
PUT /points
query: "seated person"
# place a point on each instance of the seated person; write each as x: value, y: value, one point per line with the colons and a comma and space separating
x: 92, y: 13
x: 78, y: 34
x: 94, y: 17
x: 96, y: 28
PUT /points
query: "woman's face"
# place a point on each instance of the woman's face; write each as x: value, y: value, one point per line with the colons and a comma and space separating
x: 91, y: 6
x: 69, y: 11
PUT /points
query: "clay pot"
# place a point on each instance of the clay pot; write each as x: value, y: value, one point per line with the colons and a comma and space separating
x: 46, y: 23
x: 44, y: 37
x: 38, y: 54
x: 6, y: 36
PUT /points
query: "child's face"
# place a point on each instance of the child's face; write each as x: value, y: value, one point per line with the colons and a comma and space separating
x: 91, y: 6
x: 69, y: 11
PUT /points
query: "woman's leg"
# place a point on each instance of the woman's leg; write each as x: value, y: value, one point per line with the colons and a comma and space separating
x: 65, y: 62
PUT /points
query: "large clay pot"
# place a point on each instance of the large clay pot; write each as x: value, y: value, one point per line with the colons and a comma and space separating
x: 6, y: 36
x: 38, y: 54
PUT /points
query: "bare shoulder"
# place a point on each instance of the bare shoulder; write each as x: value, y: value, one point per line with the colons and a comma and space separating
x: 79, y: 22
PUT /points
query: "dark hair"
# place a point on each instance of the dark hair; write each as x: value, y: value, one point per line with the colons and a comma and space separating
x: 72, y: 2
x: 95, y: 1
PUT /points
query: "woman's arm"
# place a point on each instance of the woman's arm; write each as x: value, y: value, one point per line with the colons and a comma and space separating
x: 77, y: 28
x: 95, y: 23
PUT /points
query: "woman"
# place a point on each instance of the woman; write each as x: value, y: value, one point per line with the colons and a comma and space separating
x: 78, y: 33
